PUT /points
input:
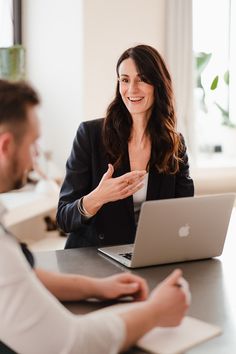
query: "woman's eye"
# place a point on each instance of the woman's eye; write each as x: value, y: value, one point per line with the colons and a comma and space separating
x: 124, y: 80
x: 141, y: 79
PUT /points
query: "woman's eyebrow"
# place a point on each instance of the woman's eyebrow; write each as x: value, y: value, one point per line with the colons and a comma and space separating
x: 139, y: 75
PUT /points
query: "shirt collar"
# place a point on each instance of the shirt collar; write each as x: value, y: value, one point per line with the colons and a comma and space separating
x: 3, y: 211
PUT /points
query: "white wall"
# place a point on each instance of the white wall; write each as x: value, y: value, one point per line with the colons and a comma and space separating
x: 110, y: 27
x: 52, y: 35
x: 72, y: 64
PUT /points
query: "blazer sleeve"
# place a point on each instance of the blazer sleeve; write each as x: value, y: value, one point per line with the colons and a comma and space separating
x: 77, y: 182
x: 184, y: 183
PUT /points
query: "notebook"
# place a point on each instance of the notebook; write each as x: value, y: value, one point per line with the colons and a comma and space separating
x: 177, y: 230
x: 171, y: 340
x: 176, y: 340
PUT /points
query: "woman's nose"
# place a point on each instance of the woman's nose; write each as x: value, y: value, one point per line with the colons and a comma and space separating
x: 133, y: 86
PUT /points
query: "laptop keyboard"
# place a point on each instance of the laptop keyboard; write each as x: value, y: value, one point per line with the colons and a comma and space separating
x: 127, y: 255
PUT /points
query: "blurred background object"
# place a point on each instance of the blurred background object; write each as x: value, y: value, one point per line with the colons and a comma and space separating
x: 12, y: 63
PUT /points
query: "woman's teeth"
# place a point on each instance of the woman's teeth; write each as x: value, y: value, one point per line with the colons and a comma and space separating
x: 135, y: 99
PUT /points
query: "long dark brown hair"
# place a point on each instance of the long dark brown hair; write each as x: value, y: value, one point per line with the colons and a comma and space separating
x: 165, y: 141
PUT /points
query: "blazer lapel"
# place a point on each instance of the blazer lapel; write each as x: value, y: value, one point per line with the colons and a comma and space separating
x: 155, y: 181
x: 127, y: 202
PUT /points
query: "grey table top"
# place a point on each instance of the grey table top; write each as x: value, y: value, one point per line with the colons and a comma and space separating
x: 212, y: 283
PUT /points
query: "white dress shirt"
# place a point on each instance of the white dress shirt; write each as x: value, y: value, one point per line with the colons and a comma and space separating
x: 33, y: 321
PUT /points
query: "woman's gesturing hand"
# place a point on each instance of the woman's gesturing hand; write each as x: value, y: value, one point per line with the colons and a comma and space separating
x: 111, y: 189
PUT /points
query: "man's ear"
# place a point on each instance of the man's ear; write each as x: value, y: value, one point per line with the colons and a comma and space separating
x: 6, y: 144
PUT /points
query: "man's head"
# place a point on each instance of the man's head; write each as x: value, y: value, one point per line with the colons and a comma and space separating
x: 19, y: 129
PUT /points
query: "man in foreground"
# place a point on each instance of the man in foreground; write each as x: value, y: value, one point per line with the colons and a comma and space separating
x: 32, y: 320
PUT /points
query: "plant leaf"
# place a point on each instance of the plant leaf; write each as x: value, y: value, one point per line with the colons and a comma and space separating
x: 214, y: 83
x: 224, y: 113
x: 202, y: 59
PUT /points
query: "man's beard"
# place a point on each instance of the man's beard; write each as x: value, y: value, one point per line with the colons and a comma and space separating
x: 12, y: 176
x: 18, y: 181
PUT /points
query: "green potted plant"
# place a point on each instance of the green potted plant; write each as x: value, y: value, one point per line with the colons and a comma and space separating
x: 202, y: 60
x: 225, y: 137
x: 12, y: 63
x: 224, y: 111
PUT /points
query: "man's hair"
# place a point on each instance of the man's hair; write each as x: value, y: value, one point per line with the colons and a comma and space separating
x: 15, y: 98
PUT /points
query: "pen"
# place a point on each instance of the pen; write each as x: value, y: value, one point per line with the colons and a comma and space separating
x: 183, y: 284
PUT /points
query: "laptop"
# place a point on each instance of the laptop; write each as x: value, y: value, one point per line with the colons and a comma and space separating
x: 177, y: 230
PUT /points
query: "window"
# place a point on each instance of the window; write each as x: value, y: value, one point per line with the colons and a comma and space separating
x: 10, y: 22
x: 216, y: 132
x: 6, y: 23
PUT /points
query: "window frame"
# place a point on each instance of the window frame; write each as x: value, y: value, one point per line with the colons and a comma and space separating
x: 17, y: 22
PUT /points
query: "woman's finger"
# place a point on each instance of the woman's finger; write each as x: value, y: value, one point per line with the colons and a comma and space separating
x: 131, y: 175
x: 108, y: 174
x: 131, y: 189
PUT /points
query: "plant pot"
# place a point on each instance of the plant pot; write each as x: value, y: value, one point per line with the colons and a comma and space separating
x: 12, y: 63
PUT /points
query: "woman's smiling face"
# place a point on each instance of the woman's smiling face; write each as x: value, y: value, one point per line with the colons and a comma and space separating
x: 137, y: 95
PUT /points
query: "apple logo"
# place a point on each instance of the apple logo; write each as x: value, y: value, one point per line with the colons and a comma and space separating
x: 184, y: 230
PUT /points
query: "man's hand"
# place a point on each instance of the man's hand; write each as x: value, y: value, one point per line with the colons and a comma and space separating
x: 120, y: 285
x: 165, y: 307
x: 170, y: 300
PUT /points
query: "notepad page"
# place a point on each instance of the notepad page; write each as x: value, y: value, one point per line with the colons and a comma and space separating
x: 175, y: 340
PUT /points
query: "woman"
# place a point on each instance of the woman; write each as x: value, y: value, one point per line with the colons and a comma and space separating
x: 134, y: 154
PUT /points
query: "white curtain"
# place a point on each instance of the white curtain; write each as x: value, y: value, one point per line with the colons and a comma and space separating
x: 179, y: 58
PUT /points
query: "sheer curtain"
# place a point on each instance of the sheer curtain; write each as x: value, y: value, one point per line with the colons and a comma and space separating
x: 179, y: 58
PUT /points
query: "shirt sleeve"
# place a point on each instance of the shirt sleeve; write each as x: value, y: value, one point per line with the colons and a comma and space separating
x: 33, y: 321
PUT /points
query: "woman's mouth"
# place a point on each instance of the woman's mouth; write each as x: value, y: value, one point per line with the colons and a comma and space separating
x: 135, y: 99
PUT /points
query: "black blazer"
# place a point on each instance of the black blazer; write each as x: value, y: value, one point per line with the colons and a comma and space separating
x: 114, y: 223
